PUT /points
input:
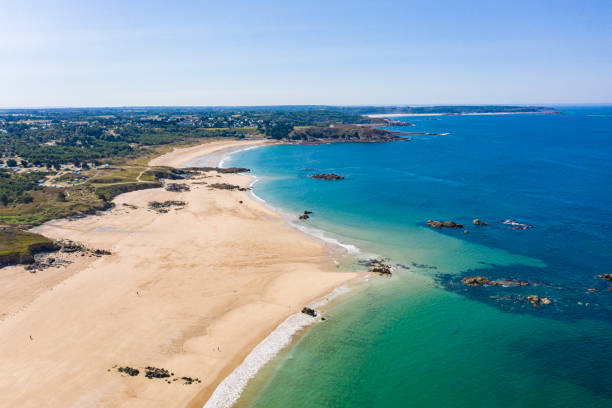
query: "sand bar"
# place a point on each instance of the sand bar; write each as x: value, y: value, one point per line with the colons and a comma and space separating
x: 193, y: 290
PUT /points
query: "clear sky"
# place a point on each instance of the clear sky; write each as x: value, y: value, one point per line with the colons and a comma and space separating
x: 259, y: 52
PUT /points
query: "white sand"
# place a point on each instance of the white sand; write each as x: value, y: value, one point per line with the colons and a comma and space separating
x: 193, y: 291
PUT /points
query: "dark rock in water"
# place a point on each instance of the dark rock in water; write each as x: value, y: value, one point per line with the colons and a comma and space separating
x: 129, y: 371
x: 443, y: 224
x: 478, y: 281
x: 307, y: 212
x: 466, y: 231
x: 481, y: 280
x: 534, y: 300
x: 154, y: 372
x: 378, y: 266
x: 327, y: 176
x: 478, y: 222
x: 304, y: 217
x: 177, y: 188
x: 606, y: 276
x: 309, y: 312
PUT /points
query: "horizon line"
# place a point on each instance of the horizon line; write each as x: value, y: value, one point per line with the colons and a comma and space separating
x: 306, y: 105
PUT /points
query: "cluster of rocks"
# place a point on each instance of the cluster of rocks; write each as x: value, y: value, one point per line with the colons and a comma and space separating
x: 305, y: 216
x: 41, y: 263
x: 536, y: 300
x: 155, y: 372
x: 130, y: 206
x: 310, y: 312
x: 478, y: 222
x: 132, y: 372
x: 481, y: 280
x: 443, y: 224
x: 378, y: 265
x: 227, y: 186
x: 326, y: 176
x: 165, y: 206
x: 606, y: 276
x: 176, y: 187
x: 45, y: 260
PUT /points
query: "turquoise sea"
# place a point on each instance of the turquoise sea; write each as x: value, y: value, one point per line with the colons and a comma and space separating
x: 421, y: 338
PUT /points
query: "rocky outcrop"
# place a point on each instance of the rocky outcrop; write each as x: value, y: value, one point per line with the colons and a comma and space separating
x: 606, y: 276
x: 154, y: 372
x: 310, y: 312
x: 378, y: 266
x: 226, y: 186
x: 481, y: 280
x: 304, y: 217
x: 165, y: 206
x: 132, y: 372
x: 478, y: 222
x: 477, y: 281
x: 176, y: 187
x: 326, y: 176
x: 536, y: 300
x: 443, y: 224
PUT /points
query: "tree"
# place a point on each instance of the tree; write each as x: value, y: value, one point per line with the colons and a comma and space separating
x: 61, y: 196
x: 4, y: 199
x: 11, y: 163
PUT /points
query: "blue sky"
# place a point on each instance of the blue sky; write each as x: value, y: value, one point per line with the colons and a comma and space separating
x: 119, y: 53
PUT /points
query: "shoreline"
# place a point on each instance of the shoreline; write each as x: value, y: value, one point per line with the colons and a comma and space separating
x: 174, y: 293
x: 399, y: 115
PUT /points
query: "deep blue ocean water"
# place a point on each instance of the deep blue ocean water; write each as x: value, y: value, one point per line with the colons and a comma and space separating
x: 422, y: 338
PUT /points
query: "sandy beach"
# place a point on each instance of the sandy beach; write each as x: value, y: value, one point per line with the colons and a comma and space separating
x: 193, y: 291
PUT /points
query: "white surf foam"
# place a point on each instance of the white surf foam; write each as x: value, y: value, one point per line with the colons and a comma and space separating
x: 230, y: 389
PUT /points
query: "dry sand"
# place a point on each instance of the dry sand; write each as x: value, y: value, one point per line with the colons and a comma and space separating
x: 192, y: 290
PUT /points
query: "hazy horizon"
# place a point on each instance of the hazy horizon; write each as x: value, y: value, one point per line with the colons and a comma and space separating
x: 119, y: 54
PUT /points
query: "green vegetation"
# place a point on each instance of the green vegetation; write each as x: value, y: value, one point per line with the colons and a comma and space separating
x: 17, y: 187
x: 18, y: 246
x: 63, y: 162
x: 346, y: 133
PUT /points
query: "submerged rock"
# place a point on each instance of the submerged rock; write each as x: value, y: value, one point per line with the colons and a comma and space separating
x: 304, y: 217
x: 478, y: 222
x: 606, y: 276
x: 481, y: 280
x: 327, y: 176
x: 378, y: 266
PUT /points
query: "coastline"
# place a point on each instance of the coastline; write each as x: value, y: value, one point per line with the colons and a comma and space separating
x: 194, y: 291
x: 399, y: 115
